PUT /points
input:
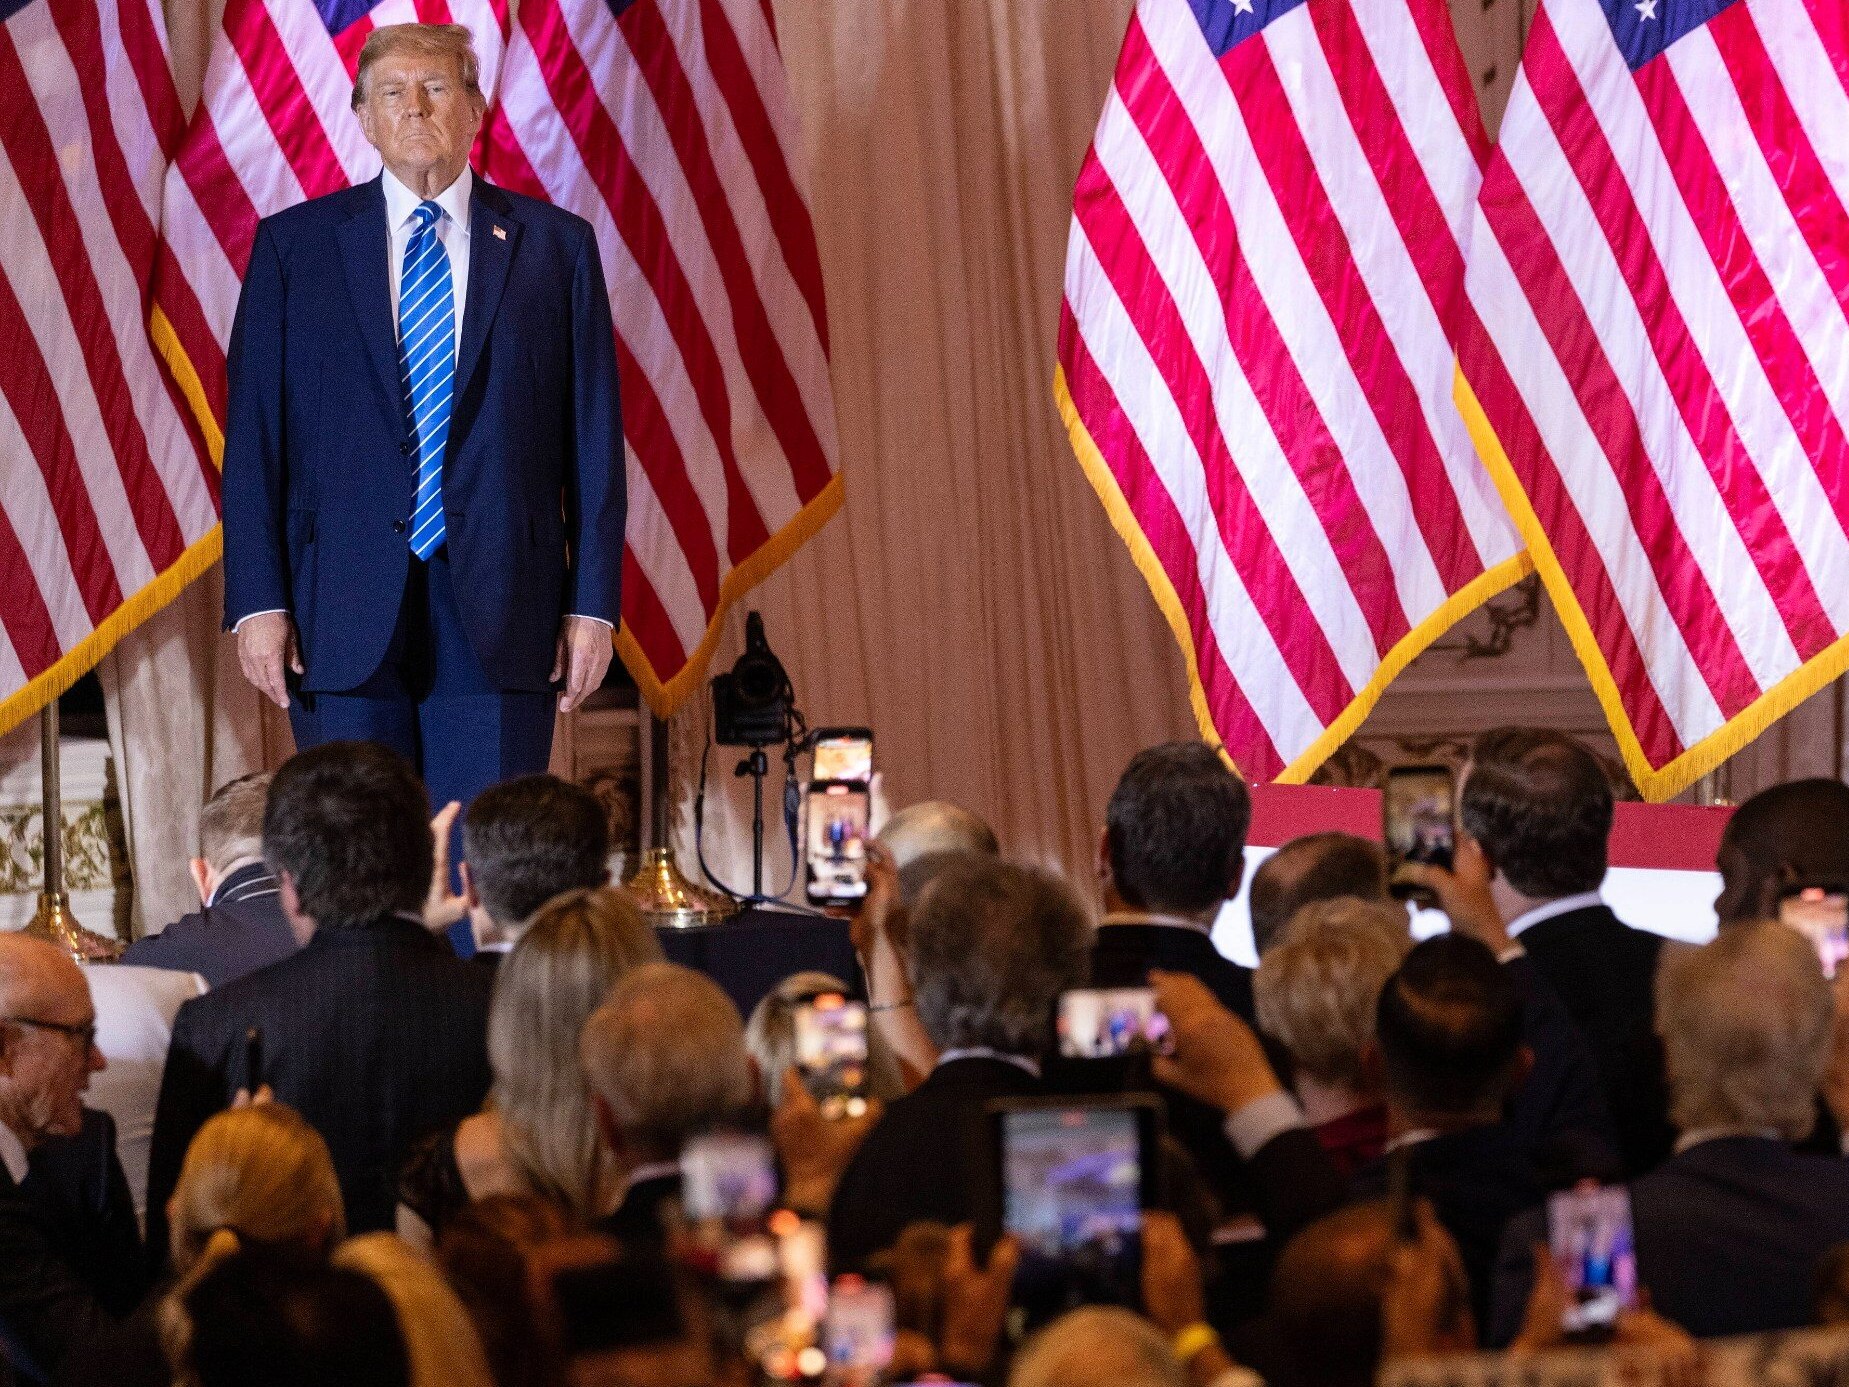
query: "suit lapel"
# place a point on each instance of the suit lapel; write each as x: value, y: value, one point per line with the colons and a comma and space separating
x: 365, y: 252
x: 493, y: 237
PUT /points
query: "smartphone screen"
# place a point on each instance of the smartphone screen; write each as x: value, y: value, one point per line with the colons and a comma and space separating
x: 1821, y: 915
x: 728, y: 1185
x: 843, y: 753
x: 1072, y: 1194
x: 1589, y: 1232
x: 858, y: 1331
x: 1102, y: 1023
x: 1416, y: 815
x: 837, y: 847
x: 831, y: 1053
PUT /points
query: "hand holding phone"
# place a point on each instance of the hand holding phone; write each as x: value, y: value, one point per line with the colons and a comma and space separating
x: 1589, y: 1235
x: 1106, y: 1022
x: 1819, y: 912
x: 1418, y: 817
x: 839, y: 814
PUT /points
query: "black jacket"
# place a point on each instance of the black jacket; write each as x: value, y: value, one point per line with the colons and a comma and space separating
x: 375, y: 1033
x: 46, y: 1311
x: 918, y: 1162
x: 1605, y: 974
x: 1728, y: 1235
x: 78, y: 1184
x: 1559, y: 1112
x: 1123, y: 954
x: 242, y: 930
x: 1478, y: 1180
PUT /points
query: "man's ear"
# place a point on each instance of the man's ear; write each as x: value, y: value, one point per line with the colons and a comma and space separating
x: 1239, y: 875
x: 471, y: 897
x: 301, y: 925
x: 1519, y: 1069
x: 607, y: 1129
x: 1104, y: 856
x: 1468, y: 846
x: 201, y: 872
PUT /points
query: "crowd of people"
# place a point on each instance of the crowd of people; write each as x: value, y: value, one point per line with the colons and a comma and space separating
x: 371, y: 1161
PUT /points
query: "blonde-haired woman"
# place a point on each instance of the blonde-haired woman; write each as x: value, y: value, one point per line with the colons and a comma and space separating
x: 439, y: 1336
x: 253, y: 1176
x: 537, y: 1134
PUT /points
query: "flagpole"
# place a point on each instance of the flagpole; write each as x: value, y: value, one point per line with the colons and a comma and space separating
x: 53, y: 920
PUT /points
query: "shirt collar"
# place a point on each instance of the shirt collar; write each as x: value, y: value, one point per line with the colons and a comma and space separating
x: 1565, y: 905
x: 1155, y: 917
x: 13, y: 1153
x: 655, y: 1170
x: 1699, y: 1136
x: 983, y: 1052
x: 244, y: 878
x: 401, y: 202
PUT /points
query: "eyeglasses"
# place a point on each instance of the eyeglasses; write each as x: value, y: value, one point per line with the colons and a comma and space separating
x: 86, y: 1033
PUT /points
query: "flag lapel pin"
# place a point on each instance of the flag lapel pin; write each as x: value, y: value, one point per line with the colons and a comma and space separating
x: 500, y: 232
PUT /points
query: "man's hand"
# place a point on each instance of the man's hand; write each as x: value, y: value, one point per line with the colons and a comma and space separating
x: 975, y: 1304
x: 442, y: 906
x: 266, y: 648
x: 1172, y: 1294
x: 1463, y: 894
x: 814, y: 1149
x: 1217, y: 1057
x: 582, y: 660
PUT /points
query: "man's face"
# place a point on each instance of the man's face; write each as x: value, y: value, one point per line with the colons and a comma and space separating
x: 51, y: 1067
x: 420, y: 118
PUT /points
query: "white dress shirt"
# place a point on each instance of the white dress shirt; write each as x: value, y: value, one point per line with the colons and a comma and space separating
x: 1565, y: 905
x: 452, y: 230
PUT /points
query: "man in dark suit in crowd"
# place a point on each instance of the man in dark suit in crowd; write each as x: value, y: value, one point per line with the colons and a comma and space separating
x: 1315, y: 867
x: 81, y: 1189
x: 664, y: 1059
x: 375, y: 1032
x: 1172, y: 853
x: 424, y: 484
x: 990, y: 946
x: 1730, y: 1228
x: 524, y: 841
x: 47, y: 1054
x: 1449, y: 1029
x: 1540, y: 806
x: 239, y: 926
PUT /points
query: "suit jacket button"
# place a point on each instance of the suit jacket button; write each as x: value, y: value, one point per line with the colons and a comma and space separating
x: 398, y: 527
x: 405, y: 447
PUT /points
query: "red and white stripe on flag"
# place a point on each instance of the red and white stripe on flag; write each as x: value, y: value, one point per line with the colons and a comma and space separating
x: 1256, y: 353
x: 108, y: 500
x: 1660, y: 376
x: 669, y: 126
x: 274, y: 127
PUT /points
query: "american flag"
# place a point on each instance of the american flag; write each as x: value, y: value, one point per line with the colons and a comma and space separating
x: 669, y: 126
x: 1660, y: 375
x: 108, y: 500
x: 274, y: 126
x: 1256, y: 352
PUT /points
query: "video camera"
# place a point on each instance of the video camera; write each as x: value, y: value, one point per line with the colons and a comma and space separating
x: 753, y: 702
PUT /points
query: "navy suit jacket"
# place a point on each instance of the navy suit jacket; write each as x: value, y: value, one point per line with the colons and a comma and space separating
x: 320, y: 468
x: 1728, y: 1235
x: 242, y: 930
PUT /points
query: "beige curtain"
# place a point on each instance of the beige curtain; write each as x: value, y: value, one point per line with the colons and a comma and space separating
x: 971, y: 603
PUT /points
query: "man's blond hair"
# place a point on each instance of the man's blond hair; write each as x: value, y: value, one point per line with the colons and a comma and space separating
x: 1317, y: 989
x: 231, y: 824
x: 429, y: 40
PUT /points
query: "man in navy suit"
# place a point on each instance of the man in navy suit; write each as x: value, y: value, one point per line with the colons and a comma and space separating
x: 424, y: 496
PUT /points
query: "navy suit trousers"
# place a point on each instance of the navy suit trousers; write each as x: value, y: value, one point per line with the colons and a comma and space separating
x: 430, y: 701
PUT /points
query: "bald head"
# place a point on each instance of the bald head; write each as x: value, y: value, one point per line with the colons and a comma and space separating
x: 34, y: 973
x: 1326, y: 1293
x: 665, y: 1056
x: 936, y: 826
x: 47, y: 1040
x: 1315, y: 867
x: 1098, y: 1346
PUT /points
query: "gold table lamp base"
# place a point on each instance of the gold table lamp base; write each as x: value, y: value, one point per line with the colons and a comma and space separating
x: 54, y: 923
x: 668, y: 900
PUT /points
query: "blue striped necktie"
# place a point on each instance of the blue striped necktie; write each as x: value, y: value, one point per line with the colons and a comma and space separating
x: 427, y: 368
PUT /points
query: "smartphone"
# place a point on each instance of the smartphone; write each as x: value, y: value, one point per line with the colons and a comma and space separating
x: 728, y: 1188
x: 858, y: 1331
x: 831, y: 1053
x: 1075, y: 1177
x: 253, y: 1060
x: 1589, y: 1233
x: 843, y: 754
x: 839, y: 826
x: 1105, y: 1022
x: 1821, y: 914
x: 1418, y: 823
